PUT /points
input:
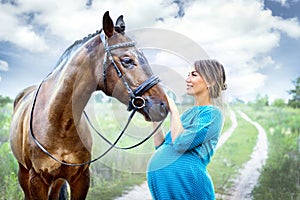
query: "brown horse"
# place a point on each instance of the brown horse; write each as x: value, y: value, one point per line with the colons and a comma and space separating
x: 53, y: 111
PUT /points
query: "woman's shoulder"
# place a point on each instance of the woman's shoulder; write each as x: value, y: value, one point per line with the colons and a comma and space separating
x: 209, y: 110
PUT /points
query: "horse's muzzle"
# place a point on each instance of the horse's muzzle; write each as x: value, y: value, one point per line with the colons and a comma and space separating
x: 155, y: 111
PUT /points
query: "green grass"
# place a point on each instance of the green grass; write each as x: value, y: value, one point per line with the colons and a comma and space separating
x: 120, y: 170
x: 230, y: 157
x: 280, y: 177
x: 227, y: 123
x: 110, y: 189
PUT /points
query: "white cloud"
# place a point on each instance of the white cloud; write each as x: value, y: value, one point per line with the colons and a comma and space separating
x: 71, y: 20
x: 283, y: 3
x: 238, y: 33
x: 245, y: 83
x: 289, y: 26
x: 3, y: 65
x: 22, y: 35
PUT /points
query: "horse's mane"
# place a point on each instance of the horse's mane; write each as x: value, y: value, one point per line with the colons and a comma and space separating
x: 78, y: 43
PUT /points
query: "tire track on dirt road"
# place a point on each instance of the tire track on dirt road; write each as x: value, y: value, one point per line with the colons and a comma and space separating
x: 228, y: 133
x: 249, y: 174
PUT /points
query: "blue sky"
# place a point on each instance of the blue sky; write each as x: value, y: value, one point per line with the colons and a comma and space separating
x: 257, y: 41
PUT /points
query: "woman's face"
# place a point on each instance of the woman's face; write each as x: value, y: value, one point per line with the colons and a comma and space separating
x: 195, y: 84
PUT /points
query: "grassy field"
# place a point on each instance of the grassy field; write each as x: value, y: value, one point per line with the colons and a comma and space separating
x: 9, y: 186
x: 280, y: 177
x: 232, y: 155
x: 120, y: 170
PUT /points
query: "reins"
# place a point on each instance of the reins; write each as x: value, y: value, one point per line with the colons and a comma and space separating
x: 117, y: 147
x: 135, y: 97
x: 74, y: 164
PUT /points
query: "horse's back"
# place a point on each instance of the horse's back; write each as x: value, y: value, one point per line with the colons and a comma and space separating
x: 19, y: 126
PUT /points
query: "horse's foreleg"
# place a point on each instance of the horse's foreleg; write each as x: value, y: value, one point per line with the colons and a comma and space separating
x: 23, y: 176
x: 56, y: 189
x: 80, y: 187
x: 38, y: 187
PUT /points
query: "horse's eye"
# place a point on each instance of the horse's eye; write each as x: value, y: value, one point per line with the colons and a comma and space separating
x: 127, y: 62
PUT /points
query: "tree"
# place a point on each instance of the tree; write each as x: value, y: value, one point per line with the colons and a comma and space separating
x: 261, y: 100
x: 295, y: 93
x: 279, y: 103
x: 4, y: 100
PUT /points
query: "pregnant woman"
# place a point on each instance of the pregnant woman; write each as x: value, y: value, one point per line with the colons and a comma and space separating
x: 177, y: 169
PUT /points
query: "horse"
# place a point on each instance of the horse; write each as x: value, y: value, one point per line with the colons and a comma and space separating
x: 52, y: 112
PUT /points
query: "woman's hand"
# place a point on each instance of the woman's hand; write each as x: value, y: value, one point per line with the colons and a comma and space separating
x: 172, y: 105
x: 175, y: 122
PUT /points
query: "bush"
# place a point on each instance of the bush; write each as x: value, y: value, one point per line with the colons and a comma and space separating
x: 8, y: 175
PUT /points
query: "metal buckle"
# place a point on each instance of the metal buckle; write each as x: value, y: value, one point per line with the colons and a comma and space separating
x: 138, y: 102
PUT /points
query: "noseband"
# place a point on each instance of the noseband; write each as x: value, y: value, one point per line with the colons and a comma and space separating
x: 136, y: 100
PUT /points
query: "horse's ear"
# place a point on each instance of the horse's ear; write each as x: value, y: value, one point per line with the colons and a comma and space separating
x: 120, y: 25
x: 108, y: 25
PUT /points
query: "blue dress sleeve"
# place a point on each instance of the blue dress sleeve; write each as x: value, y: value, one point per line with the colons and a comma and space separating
x: 199, y: 127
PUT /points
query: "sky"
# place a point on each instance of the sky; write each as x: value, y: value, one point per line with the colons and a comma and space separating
x: 258, y: 42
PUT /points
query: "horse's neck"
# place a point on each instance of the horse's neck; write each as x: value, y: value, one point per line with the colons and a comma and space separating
x: 72, y: 87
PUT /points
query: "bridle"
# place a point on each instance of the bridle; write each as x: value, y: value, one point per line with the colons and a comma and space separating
x: 136, y: 102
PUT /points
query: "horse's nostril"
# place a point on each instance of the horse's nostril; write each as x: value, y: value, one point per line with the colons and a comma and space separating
x: 163, y: 108
x: 158, y: 111
x: 162, y: 105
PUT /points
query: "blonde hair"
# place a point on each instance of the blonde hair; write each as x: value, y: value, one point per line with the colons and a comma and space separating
x: 214, y: 75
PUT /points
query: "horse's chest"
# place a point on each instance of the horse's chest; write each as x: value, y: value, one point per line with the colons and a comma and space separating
x: 51, y: 170
x: 43, y: 162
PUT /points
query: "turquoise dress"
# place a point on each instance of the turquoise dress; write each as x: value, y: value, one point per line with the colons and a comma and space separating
x: 178, y: 170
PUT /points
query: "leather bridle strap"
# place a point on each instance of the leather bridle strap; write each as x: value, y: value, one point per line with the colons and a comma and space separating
x: 140, y: 90
x: 136, y: 100
x: 108, y: 55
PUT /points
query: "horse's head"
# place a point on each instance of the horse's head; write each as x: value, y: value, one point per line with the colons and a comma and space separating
x: 127, y: 75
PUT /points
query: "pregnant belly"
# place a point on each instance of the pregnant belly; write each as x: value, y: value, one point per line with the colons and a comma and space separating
x: 166, y: 156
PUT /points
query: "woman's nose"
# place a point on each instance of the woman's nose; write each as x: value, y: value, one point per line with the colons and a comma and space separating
x: 188, y: 79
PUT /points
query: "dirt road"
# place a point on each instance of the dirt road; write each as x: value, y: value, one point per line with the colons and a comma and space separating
x: 249, y: 174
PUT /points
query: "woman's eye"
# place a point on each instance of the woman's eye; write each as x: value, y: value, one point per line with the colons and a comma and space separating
x: 192, y: 74
x: 127, y: 62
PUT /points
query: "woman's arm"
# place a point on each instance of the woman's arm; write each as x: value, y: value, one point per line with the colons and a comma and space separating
x: 159, y: 137
x: 175, y: 122
x: 175, y: 125
x: 206, y: 126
